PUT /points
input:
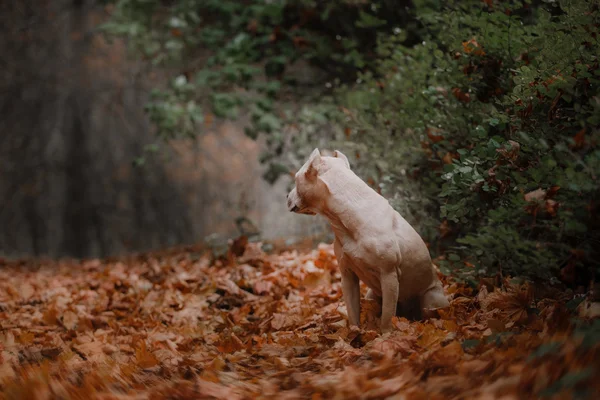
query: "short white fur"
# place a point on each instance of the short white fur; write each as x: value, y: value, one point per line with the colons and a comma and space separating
x: 373, y: 243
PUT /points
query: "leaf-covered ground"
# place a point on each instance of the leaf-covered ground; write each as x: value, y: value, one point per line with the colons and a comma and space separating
x: 177, y: 325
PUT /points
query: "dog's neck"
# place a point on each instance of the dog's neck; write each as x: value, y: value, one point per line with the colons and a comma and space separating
x: 350, y: 199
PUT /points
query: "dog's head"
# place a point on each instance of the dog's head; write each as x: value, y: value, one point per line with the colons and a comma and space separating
x: 310, y: 193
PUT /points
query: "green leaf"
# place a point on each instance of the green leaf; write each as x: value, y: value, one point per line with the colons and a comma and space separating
x: 368, y: 21
x: 470, y: 344
x: 544, y: 350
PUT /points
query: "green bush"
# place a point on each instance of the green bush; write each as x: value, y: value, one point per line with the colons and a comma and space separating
x: 494, y: 117
x: 477, y: 119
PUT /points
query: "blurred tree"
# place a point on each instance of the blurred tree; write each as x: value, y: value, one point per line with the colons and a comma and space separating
x: 71, y: 125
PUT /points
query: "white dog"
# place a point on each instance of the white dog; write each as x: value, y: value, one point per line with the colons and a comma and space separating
x: 373, y: 243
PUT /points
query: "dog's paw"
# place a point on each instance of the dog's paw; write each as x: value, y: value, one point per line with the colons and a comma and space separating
x: 386, y: 327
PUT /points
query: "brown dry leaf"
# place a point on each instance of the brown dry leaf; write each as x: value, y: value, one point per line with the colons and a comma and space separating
x: 390, y: 346
x: 144, y: 358
x: 216, y: 390
x: 230, y: 343
x: 263, y: 287
x: 401, y: 324
x: 253, y: 251
x: 26, y: 338
x: 50, y: 317
x: 285, y: 321
x: 389, y: 387
x: 513, y: 304
x: 448, y: 355
x: 430, y: 335
x: 90, y: 350
x: 450, y: 325
x: 170, y: 324
x: 238, y: 246
x: 496, y: 325
x: 370, y: 311
x: 26, y: 291
x: 69, y: 320
x: 502, y: 386
x: 474, y: 366
x: 317, y: 278
x: 6, y: 365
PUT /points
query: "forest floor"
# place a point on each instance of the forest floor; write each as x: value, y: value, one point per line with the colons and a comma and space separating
x: 178, y: 324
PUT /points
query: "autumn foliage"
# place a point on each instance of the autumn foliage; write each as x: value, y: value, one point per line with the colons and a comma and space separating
x: 182, y: 324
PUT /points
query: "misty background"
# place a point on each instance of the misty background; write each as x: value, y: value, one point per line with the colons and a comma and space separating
x: 72, y: 123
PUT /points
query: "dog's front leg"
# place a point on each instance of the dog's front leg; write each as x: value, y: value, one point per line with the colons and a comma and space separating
x: 389, y: 294
x: 351, y: 294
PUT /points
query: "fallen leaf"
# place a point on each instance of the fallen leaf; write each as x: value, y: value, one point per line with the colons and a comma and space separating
x: 430, y: 336
x: 475, y: 367
x: 69, y: 320
x: 496, y: 325
x: 393, y: 345
x: 50, y: 317
x: 180, y: 324
x: 512, y: 304
x: 144, y: 358
x: 448, y: 355
x: 26, y: 291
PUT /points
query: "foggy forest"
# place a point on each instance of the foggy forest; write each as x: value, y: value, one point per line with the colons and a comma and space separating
x: 299, y: 199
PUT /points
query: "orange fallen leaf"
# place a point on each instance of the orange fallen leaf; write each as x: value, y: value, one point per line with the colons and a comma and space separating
x: 144, y: 358
x: 512, y: 304
x: 393, y: 345
x: 448, y: 355
x: 474, y: 366
x: 69, y: 319
x: 430, y: 336
x: 50, y: 317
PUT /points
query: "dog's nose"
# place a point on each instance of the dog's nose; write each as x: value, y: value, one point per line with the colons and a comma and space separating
x: 294, y: 209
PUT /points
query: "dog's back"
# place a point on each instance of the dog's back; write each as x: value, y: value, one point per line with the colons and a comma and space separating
x: 369, y: 219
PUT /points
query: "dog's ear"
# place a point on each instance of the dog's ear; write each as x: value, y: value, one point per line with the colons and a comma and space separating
x: 339, y: 154
x: 314, y: 162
